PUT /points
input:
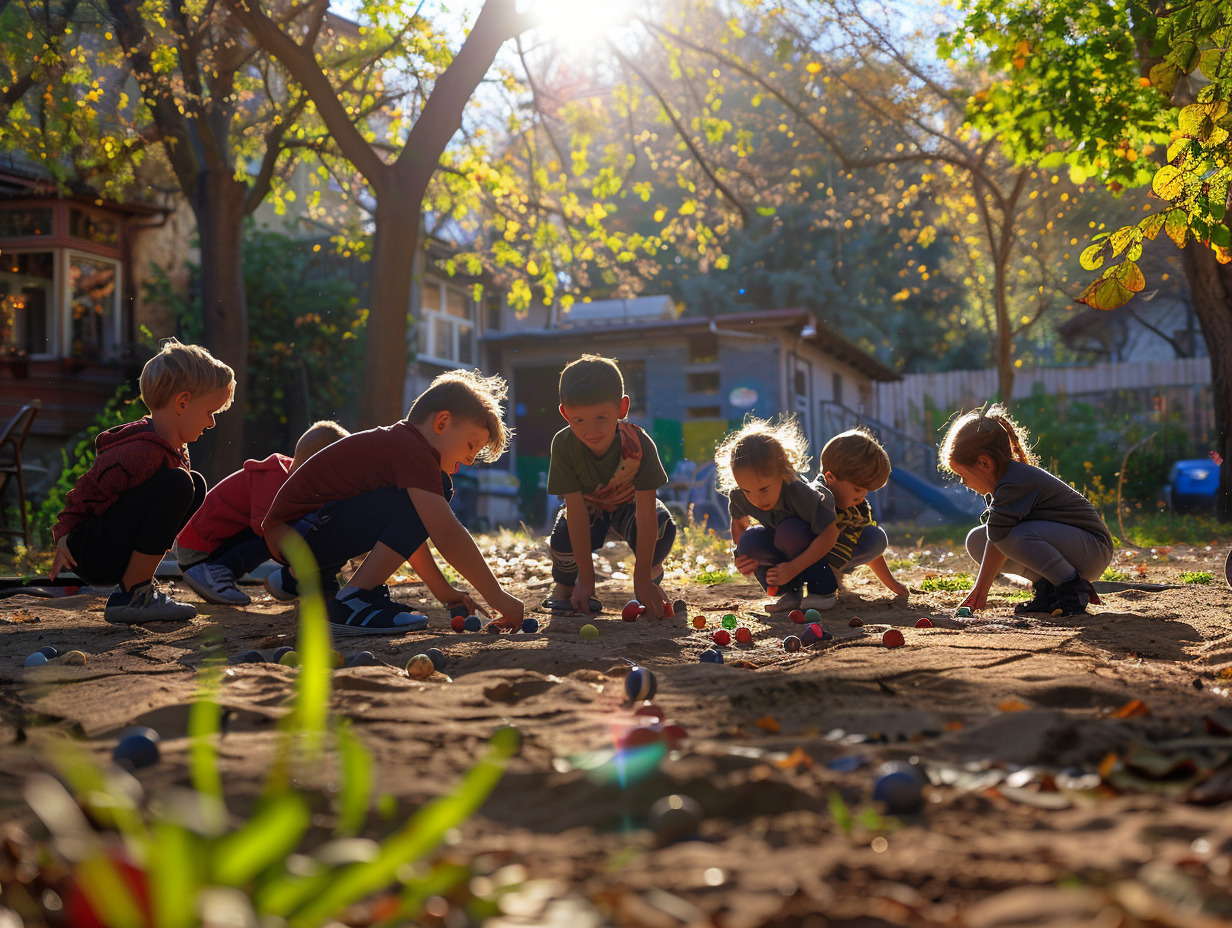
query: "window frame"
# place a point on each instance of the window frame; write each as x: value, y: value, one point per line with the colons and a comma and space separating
x: 429, y: 319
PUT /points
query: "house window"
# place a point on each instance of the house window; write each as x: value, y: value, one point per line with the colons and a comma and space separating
x: 707, y: 382
x: 448, y: 327
x: 704, y: 348
x: 60, y: 302
x: 93, y: 227
x: 703, y: 412
x: 836, y: 388
x: 24, y: 221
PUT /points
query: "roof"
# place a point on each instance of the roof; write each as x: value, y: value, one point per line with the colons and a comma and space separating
x: 796, y: 321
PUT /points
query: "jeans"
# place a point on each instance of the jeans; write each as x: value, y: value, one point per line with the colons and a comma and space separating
x: 772, y: 546
x: 623, y: 522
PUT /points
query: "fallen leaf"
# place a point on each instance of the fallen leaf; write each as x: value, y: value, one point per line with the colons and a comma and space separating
x: 1132, y: 709
x: 797, y: 758
x: 768, y: 723
x: 1012, y: 705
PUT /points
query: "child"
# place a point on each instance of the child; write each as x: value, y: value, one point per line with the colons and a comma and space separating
x: 854, y: 464
x: 1037, y: 526
x: 608, y: 470
x: 759, y: 468
x: 385, y: 492
x: 125, y: 511
x: 223, y: 540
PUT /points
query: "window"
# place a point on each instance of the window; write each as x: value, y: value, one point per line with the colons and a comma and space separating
x: 448, y: 325
x: 836, y: 388
x: 97, y: 228
x: 704, y: 348
x: 702, y: 412
x: 707, y: 382
x: 60, y: 302
x: 24, y: 221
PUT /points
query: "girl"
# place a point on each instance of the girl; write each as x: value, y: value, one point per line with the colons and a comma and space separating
x: 1037, y: 526
x: 759, y: 468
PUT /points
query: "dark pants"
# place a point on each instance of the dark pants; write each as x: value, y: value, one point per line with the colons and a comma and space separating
x: 772, y: 546
x: 623, y: 522
x: 144, y: 520
x: 347, y: 528
x: 241, y: 553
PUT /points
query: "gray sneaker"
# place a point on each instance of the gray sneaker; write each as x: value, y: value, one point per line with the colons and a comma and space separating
x: 819, y: 601
x: 145, y: 603
x: 785, y: 603
x: 215, y: 584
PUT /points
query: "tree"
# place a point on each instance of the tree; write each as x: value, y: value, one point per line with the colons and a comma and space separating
x: 1133, y: 94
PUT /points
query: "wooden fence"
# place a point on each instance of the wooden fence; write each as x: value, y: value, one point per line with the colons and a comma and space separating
x: 920, y: 403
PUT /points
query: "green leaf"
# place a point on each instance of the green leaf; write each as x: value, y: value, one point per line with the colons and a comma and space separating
x: 1120, y: 239
x: 1129, y: 275
x: 1052, y: 160
x: 1177, y: 227
x: 1221, y: 236
x: 266, y: 839
x: 1169, y: 182
x: 175, y: 869
x: 356, y: 780
x: 1093, y: 256
x: 204, y: 724
x: 1151, y: 225
x: 1105, y: 293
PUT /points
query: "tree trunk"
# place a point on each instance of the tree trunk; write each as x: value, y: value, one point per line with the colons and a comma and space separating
x: 1210, y: 285
x: 386, y: 352
x: 219, y: 210
x: 1005, y: 334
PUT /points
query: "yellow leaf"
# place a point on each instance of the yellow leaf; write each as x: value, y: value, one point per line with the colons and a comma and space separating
x: 813, y: 67
x: 769, y: 723
x: 1132, y: 709
x: 1012, y: 705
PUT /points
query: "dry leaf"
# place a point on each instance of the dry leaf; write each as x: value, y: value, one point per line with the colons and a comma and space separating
x: 769, y: 723
x: 1132, y: 709
x: 1012, y: 705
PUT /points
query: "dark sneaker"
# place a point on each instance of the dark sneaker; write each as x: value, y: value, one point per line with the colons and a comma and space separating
x: 785, y: 603
x: 1073, y: 596
x: 145, y: 603
x: 281, y: 585
x: 366, y: 612
x: 383, y: 592
x: 215, y: 584
x: 1044, y: 600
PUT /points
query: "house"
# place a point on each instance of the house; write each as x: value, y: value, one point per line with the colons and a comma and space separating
x: 690, y: 378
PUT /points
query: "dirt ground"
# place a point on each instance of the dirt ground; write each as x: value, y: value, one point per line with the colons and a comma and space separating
x: 1080, y: 769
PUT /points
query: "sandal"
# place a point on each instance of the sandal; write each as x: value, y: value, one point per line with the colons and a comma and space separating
x: 565, y: 606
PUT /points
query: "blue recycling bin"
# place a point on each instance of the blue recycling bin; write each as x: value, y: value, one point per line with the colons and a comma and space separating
x: 1192, y: 485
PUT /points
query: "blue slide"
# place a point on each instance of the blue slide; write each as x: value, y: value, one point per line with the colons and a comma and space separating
x: 953, y: 501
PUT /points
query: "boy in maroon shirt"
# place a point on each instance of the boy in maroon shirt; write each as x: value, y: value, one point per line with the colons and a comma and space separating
x: 384, y: 493
x: 124, y: 513
x: 223, y: 540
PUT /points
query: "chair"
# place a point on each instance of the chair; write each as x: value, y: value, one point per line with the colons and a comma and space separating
x: 12, y: 437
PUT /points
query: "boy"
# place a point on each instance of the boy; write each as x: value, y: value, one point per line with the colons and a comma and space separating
x: 385, y: 492
x: 125, y: 511
x: 223, y: 540
x: 853, y: 463
x: 607, y: 470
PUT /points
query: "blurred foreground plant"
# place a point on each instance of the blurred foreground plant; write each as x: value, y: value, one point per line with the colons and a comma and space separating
x: 183, y: 860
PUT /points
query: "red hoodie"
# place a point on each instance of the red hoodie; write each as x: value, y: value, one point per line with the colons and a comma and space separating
x: 237, y: 502
x: 128, y: 456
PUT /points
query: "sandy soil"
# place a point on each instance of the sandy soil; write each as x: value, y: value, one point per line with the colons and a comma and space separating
x: 1079, y: 768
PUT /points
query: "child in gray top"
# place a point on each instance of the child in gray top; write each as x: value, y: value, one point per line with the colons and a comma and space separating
x: 1037, y: 526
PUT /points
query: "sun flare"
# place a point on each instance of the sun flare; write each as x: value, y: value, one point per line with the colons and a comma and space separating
x: 576, y: 22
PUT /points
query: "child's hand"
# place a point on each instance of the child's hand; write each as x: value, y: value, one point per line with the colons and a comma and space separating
x: 898, y: 589
x: 745, y: 564
x: 64, y: 558
x: 780, y: 574
x: 461, y: 599
x: 649, y: 595
x: 580, y: 597
x: 511, y: 610
x: 976, y: 600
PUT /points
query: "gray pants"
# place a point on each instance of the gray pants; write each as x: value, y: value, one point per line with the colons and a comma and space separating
x: 872, y: 544
x: 1051, y: 550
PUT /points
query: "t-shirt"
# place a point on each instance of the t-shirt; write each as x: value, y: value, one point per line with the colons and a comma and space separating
x: 395, y: 455
x: 574, y: 468
x: 852, y: 522
x: 239, y: 501
x: 1027, y: 493
x: 812, y: 502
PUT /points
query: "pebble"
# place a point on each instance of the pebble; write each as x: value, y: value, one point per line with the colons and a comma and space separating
x: 493, y: 628
x: 699, y: 621
x: 899, y: 787
x: 632, y: 610
x: 420, y: 667
x: 744, y: 635
x: 964, y: 612
x: 38, y: 658
x: 791, y: 644
x: 640, y: 684
x: 722, y: 638
x: 249, y: 657
x: 472, y: 623
x: 812, y: 634
x: 729, y: 621
x: 711, y: 656
x: 812, y: 615
x: 924, y: 622
x: 675, y: 818
x: 588, y: 633
x: 138, y: 748
x: 530, y: 626
x: 797, y: 616
x: 289, y: 659
x: 458, y: 623
x: 74, y: 659
x: 457, y: 610
x: 279, y: 653
x: 438, y: 658
x: 362, y: 659
x: 680, y: 607
x: 49, y: 652
x: 855, y: 621
x: 893, y: 639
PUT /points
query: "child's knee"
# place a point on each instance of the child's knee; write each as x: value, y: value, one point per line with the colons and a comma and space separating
x: 757, y: 542
x: 792, y: 536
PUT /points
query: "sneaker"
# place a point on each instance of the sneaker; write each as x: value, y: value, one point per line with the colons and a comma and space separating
x: 366, y: 612
x: 1073, y: 596
x: 785, y: 603
x: 144, y: 603
x: 383, y: 592
x: 819, y: 601
x: 215, y: 584
x: 281, y: 585
x: 1044, y: 600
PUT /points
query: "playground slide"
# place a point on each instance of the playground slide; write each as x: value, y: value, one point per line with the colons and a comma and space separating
x: 953, y: 501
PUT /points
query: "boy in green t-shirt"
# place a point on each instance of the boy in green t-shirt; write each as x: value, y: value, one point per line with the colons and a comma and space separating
x: 607, y: 470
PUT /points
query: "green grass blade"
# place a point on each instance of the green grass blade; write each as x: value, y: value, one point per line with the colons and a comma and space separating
x: 175, y: 875
x: 422, y: 833
x: 204, y: 724
x: 108, y: 894
x: 266, y: 838
x: 315, y: 678
x: 438, y: 882
x: 356, y: 780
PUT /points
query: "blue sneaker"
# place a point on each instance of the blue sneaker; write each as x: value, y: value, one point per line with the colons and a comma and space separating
x: 281, y: 585
x: 366, y: 612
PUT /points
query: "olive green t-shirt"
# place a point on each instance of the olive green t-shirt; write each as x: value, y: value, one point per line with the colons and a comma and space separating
x: 812, y: 502
x: 576, y: 469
